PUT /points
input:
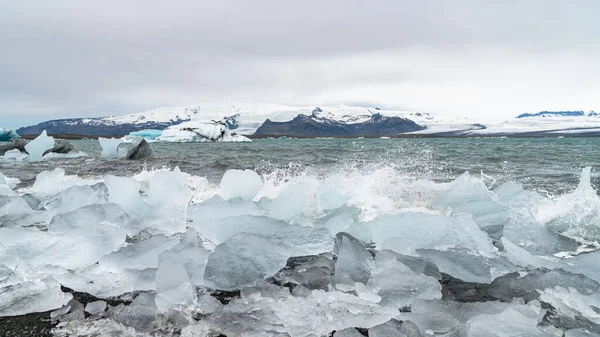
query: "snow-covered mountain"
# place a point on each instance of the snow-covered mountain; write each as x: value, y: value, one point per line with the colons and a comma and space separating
x: 246, y: 118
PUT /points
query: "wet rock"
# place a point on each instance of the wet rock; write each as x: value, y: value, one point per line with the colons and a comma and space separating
x: 140, y: 150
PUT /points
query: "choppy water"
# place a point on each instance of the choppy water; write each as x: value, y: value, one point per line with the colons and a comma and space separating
x: 547, y: 165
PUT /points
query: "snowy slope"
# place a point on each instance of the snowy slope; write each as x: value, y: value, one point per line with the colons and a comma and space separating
x: 246, y: 118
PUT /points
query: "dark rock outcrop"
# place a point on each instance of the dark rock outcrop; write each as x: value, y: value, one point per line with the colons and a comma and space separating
x: 312, y: 126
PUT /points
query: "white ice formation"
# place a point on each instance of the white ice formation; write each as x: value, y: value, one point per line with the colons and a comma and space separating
x: 110, y: 147
x: 302, y: 256
x: 37, y: 147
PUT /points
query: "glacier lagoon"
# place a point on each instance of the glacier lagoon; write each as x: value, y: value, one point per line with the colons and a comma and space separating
x: 307, y: 237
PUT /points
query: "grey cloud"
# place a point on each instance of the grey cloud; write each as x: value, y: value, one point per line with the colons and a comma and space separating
x: 71, y: 58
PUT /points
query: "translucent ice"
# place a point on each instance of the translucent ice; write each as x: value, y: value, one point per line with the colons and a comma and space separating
x: 309, y: 272
x: 125, y: 192
x: 405, y: 232
x: 243, y: 260
x: 71, y: 199
x: 574, y: 215
x: 190, y: 254
x: 390, y: 328
x: 315, y: 315
x: 32, y: 296
x: 37, y: 147
x: 109, y: 147
x: 15, y: 155
x: 397, y: 284
x: 298, y: 240
x: 89, y: 217
x: 431, y: 322
x: 95, y: 308
x: 517, y: 321
x: 468, y: 265
x: 461, y: 311
x: 140, y: 255
x: 169, y: 196
x: 527, y: 286
x: 332, y: 193
x: 243, y: 184
x: 173, y: 287
x: 290, y: 203
x: 354, y: 262
x: 470, y: 195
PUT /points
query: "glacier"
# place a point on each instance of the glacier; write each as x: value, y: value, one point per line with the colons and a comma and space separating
x: 151, y: 255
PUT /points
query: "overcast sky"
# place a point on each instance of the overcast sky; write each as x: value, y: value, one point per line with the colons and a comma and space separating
x: 481, y: 58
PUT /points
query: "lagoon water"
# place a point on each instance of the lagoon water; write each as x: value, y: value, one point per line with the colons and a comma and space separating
x: 547, y: 165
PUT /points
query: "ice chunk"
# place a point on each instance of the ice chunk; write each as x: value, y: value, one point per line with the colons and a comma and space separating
x: 32, y: 296
x: 90, y: 217
x: 82, y: 246
x: 405, y: 232
x: 37, y: 147
x: 15, y: 155
x: 243, y: 260
x: 526, y: 286
x: 140, y: 255
x: 243, y: 184
x: 522, y: 228
x: 339, y: 220
x: 109, y: 147
x: 332, y: 193
x: 397, y: 284
x: 173, y: 287
x: 580, y: 333
x: 315, y: 315
x: 586, y: 264
x: 354, y: 262
x: 570, y: 305
x: 470, y: 195
x: 125, y: 192
x: 299, y: 240
x: 348, y: 332
x: 72, y: 311
x: 49, y: 182
x: 574, y: 215
x: 309, y: 272
x: 141, y: 315
x: 431, y: 322
x: 95, y: 308
x: 169, y: 196
x: 461, y: 311
x: 205, y: 216
x: 190, y: 254
x: 390, y: 328
x: 290, y: 203
x: 71, y: 199
x: 519, y: 321
x: 468, y: 265
x: 97, y: 281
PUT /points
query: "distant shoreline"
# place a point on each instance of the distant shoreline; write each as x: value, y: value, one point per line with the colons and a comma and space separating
x: 404, y: 136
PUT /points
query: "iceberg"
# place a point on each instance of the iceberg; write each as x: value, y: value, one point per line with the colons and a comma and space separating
x: 196, y: 131
x: 7, y: 135
x: 109, y: 147
x: 37, y: 147
x: 148, y: 134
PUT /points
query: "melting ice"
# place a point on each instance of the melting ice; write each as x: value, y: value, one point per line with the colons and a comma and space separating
x: 167, y: 254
